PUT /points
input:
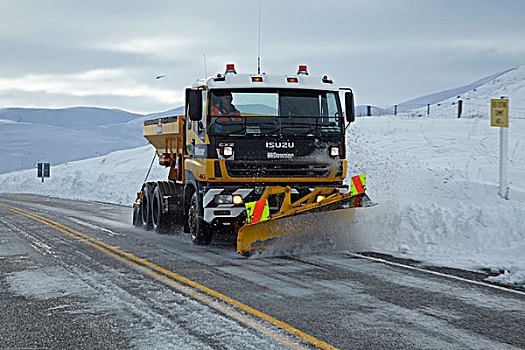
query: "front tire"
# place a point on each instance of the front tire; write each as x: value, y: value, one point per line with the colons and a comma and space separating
x: 199, y: 230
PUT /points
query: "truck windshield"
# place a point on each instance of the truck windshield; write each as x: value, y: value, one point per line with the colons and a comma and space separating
x: 283, y: 111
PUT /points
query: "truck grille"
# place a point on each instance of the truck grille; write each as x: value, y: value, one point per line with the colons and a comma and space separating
x: 277, y: 169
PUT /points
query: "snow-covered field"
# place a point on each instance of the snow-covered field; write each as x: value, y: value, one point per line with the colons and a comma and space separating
x: 435, y: 181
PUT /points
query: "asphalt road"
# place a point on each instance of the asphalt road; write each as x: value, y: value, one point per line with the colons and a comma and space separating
x: 98, y: 283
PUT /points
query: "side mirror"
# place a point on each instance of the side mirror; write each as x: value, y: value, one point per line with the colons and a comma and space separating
x: 194, y: 104
x: 349, y: 104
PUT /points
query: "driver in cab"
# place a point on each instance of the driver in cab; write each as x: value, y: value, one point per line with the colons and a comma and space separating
x: 224, y: 109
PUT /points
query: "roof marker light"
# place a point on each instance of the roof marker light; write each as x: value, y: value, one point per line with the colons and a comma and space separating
x: 230, y: 68
x: 292, y: 79
x: 302, y: 70
x: 327, y: 80
x: 219, y: 77
x: 257, y: 79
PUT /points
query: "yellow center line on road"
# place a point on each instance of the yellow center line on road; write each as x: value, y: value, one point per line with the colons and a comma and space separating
x: 171, y: 278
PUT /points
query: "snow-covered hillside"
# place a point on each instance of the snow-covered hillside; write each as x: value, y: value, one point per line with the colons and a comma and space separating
x: 475, y: 98
x: 77, y: 117
x: 29, y: 136
x: 476, y: 102
x: 441, y: 96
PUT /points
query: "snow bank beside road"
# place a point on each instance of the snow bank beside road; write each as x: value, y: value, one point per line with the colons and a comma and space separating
x: 113, y: 178
x: 436, y: 184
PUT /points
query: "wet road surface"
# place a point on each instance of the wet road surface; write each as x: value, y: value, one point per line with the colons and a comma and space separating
x: 58, y: 291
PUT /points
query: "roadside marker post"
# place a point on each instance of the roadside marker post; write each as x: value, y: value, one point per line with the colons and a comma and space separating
x: 43, y: 170
x: 499, y: 117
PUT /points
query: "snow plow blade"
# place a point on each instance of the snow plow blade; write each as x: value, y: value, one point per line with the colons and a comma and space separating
x: 322, y: 211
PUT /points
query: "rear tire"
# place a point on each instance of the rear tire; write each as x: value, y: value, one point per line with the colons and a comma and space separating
x: 160, y: 220
x: 145, y: 207
x: 199, y: 230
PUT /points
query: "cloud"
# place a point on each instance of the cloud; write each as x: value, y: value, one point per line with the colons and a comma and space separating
x: 150, y: 46
x: 92, y: 84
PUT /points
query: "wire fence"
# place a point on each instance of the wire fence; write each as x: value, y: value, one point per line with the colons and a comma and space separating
x: 448, y: 109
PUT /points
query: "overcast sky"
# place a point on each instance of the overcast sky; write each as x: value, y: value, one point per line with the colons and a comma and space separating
x: 108, y: 53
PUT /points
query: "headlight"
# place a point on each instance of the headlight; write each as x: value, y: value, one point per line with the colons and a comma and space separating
x: 227, y: 151
x: 237, y: 199
x: 334, y: 151
x: 228, y: 199
x: 223, y: 199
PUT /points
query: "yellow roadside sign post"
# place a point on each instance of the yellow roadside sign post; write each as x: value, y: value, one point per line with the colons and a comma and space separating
x: 499, y: 117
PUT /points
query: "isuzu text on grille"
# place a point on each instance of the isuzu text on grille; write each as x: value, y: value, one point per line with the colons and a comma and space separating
x: 287, y: 144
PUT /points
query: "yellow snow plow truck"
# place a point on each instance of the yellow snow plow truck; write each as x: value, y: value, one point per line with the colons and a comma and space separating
x: 260, y: 155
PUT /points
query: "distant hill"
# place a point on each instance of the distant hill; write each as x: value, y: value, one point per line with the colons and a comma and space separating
x: 76, y: 117
x: 172, y: 112
x: 438, y: 97
x: 476, y: 100
x: 441, y: 96
x: 32, y: 135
